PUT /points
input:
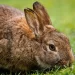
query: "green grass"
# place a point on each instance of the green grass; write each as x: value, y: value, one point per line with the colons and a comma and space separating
x: 62, y: 14
x: 65, y: 71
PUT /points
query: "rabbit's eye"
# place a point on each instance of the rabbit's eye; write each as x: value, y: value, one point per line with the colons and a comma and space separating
x: 52, y: 47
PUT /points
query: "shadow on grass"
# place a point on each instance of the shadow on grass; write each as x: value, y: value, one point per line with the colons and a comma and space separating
x: 33, y: 72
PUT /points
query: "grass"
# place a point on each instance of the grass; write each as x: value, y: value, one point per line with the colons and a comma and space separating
x: 65, y: 71
x: 62, y: 14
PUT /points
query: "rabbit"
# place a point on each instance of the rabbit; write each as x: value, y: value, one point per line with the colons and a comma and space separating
x: 28, y: 40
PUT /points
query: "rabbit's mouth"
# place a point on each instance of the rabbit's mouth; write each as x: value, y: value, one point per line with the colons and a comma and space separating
x: 63, y: 63
x: 43, y: 65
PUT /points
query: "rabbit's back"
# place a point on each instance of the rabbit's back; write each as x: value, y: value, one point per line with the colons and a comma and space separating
x: 12, y: 18
x: 11, y: 22
x: 7, y: 12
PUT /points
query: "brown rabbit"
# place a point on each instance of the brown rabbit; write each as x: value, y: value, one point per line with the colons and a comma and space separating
x: 28, y: 41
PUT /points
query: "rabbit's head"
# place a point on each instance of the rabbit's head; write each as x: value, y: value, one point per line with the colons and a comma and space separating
x: 54, y: 48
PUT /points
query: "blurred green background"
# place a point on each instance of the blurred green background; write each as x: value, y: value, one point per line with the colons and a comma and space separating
x: 62, y: 14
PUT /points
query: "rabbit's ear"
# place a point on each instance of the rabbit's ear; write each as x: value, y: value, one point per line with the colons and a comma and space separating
x: 32, y: 21
x: 42, y: 13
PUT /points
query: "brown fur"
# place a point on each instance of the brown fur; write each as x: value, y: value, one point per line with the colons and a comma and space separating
x: 25, y: 40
